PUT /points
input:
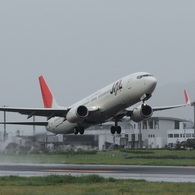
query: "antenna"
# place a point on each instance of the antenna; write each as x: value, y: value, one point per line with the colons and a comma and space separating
x: 33, y: 132
x: 193, y: 104
x: 4, y: 134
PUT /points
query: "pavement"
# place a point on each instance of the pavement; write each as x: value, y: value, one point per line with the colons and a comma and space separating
x: 148, y: 173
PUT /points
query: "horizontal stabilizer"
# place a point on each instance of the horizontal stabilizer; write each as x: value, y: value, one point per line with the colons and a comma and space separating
x: 47, y: 112
x: 26, y: 123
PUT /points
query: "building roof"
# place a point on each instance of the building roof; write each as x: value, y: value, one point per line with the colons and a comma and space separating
x: 170, y: 119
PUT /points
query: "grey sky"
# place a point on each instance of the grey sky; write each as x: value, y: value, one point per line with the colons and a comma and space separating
x: 81, y: 46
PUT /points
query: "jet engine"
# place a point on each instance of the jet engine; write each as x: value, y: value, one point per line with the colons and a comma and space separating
x: 77, y: 114
x: 141, y: 112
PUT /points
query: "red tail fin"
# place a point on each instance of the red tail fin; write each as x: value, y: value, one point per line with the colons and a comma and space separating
x: 46, y: 93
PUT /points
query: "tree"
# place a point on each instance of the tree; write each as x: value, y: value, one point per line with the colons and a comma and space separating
x: 190, y: 144
x: 178, y: 145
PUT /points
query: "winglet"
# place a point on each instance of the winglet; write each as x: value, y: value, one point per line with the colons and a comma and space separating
x: 187, y: 99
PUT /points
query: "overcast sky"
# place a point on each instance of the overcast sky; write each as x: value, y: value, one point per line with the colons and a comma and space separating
x: 81, y: 46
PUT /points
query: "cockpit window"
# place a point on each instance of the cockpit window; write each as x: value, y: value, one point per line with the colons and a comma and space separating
x: 144, y: 75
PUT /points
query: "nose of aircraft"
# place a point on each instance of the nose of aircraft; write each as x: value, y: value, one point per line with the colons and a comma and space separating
x: 151, y: 84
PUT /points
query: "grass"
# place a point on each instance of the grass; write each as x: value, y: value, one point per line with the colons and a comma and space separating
x: 94, y: 184
x: 156, y: 157
x: 90, y: 184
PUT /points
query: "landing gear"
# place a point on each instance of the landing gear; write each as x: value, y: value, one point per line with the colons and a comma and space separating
x: 114, y: 129
x: 79, y: 129
x: 118, y: 129
x: 76, y: 130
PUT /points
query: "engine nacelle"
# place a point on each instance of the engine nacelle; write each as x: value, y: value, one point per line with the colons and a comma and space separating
x: 141, y: 112
x: 77, y: 114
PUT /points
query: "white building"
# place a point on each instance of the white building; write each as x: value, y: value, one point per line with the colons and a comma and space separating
x: 158, y: 132
x: 155, y: 132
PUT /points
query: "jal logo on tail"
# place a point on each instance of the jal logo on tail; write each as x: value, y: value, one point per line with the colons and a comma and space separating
x: 116, y: 86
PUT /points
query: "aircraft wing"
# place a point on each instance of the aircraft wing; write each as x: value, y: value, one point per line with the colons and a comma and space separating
x: 187, y: 100
x: 167, y: 107
x: 129, y: 112
x: 47, y: 112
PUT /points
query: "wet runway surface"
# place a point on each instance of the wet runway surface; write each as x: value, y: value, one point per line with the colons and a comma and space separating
x: 149, y: 173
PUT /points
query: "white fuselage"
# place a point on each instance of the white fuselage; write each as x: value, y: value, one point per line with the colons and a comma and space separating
x: 110, y: 100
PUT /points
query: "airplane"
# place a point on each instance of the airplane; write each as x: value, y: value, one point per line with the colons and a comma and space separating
x: 111, y: 103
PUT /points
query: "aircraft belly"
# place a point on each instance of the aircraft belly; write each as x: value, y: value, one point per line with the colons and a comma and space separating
x: 101, y: 117
x: 62, y: 127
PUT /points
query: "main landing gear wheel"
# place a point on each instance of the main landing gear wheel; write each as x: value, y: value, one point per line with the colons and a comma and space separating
x: 114, y: 129
x: 118, y: 129
x: 80, y: 130
x: 76, y: 130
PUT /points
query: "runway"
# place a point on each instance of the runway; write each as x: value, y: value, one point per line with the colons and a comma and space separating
x: 149, y: 173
